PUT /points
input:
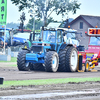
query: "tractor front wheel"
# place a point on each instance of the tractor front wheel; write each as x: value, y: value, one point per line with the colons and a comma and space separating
x: 38, y: 67
x: 31, y: 66
x: 51, y: 61
x: 21, y: 61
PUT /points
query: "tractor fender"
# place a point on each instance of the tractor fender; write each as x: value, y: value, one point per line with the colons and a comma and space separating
x: 63, y: 46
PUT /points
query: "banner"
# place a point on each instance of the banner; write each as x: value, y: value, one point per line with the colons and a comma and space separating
x: 3, y: 12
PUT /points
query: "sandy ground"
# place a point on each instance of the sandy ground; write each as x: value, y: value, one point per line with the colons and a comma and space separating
x: 69, y: 91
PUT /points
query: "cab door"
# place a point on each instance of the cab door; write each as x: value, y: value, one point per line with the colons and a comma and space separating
x: 59, y: 39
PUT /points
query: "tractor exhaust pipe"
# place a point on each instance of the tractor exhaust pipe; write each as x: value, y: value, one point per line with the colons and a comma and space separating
x: 40, y: 39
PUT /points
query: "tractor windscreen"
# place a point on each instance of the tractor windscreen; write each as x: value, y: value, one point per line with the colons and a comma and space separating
x: 71, y: 35
x: 95, y: 41
x: 49, y: 36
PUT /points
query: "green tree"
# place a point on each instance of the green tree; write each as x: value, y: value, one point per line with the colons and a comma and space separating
x: 44, y: 8
x: 22, y: 19
x: 38, y: 24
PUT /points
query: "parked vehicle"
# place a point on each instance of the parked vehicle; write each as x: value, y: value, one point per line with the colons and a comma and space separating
x: 14, y: 37
x: 19, y: 37
x: 7, y: 37
x: 91, y: 56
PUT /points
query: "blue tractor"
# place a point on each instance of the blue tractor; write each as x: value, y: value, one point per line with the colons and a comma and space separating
x: 14, y: 37
x: 20, y: 37
x: 50, y: 53
x: 7, y: 37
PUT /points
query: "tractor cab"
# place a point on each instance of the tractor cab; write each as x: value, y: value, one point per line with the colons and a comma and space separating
x: 50, y: 39
x: 70, y: 37
x: 36, y: 35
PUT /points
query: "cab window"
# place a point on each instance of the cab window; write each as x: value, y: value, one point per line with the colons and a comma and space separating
x: 59, y: 39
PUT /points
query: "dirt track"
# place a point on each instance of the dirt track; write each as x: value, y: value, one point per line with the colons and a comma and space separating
x: 12, y: 73
x: 79, y: 91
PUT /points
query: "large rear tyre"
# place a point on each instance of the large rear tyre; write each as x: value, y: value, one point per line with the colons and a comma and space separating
x: 71, y: 59
x: 62, y: 60
x: 21, y: 61
x: 51, y: 61
x: 38, y: 67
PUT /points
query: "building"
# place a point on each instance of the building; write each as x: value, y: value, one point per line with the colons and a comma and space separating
x: 82, y: 23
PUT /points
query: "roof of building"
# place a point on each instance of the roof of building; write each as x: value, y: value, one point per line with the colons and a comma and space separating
x: 90, y: 20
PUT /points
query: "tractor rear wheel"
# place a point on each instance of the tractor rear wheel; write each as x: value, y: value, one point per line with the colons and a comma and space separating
x: 21, y: 61
x: 38, y: 67
x: 62, y: 60
x: 71, y: 59
x: 51, y: 61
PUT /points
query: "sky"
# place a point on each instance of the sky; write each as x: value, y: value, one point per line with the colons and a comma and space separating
x: 88, y: 7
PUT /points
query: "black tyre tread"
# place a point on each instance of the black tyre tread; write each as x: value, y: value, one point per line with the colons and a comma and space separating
x: 31, y: 66
x: 38, y: 67
x: 21, y: 61
x: 68, y: 59
x: 48, y: 61
x: 62, y: 60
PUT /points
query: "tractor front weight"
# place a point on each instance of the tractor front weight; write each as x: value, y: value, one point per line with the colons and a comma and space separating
x: 35, y: 58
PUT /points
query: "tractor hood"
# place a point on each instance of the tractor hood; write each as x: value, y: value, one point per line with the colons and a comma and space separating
x: 40, y: 47
x: 17, y: 39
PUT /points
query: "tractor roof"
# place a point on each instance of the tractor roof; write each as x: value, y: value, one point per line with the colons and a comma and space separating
x: 63, y: 29
x: 67, y: 30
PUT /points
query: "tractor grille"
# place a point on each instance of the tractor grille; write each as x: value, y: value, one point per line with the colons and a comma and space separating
x: 32, y: 56
x: 37, y: 49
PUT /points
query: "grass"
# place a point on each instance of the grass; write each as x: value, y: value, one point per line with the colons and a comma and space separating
x: 13, y: 59
x: 46, y: 81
